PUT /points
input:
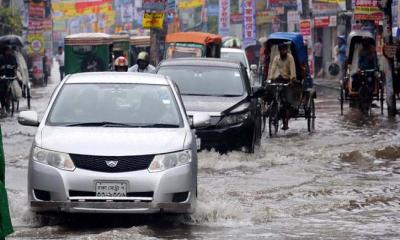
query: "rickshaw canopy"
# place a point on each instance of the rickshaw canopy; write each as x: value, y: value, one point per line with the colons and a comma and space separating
x: 88, y: 39
x: 120, y: 38
x: 296, y: 39
x: 193, y: 37
x: 356, y: 37
x: 140, y: 40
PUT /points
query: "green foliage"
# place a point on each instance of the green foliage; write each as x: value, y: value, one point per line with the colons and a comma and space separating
x: 10, y: 22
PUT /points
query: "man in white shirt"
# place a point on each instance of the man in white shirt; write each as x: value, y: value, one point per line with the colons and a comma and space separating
x: 60, y: 60
x: 318, y: 57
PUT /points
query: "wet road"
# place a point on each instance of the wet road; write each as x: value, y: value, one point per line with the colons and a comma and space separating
x: 341, y: 182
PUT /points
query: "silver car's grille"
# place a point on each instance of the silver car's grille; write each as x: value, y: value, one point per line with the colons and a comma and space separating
x: 112, y: 163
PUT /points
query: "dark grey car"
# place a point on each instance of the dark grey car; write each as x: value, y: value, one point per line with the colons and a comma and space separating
x: 219, y: 91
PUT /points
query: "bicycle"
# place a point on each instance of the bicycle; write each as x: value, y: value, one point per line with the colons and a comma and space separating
x: 7, y: 97
x: 275, y: 108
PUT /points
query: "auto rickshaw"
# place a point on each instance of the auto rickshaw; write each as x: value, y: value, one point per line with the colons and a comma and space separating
x: 192, y: 44
x: 120, y: 46
x: 88, y: 52
x: 138, y: 44
x: 361, y: 86
x: 303, y: 87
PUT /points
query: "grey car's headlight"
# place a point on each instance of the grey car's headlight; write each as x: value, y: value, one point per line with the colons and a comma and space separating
x: 170, y: 160
x: 234, y: 119
x: 54, y: 159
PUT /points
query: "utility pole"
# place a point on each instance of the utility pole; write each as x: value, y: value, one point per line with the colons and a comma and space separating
x: 389, y: 62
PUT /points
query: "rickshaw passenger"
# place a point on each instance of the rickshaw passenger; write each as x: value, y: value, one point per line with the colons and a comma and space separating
x: 367, y: 60
x: 285, y: 65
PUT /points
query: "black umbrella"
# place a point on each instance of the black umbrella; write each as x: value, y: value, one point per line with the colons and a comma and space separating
x: 13, y: 40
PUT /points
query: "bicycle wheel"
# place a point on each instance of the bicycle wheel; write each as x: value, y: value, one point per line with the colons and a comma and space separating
x: 273, y: 120
x: 28, y: 97
x: 311, y: 115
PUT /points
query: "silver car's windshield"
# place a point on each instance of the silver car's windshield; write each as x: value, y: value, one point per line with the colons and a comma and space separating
x: 115, y: 105
x: 235, y: 56
x: 209, y: 81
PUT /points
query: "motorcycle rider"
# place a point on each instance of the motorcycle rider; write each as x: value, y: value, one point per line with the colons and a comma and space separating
x: 142, y: 64
x: 121, y: 64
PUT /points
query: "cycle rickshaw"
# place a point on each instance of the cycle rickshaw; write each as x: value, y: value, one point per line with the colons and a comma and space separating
x: 304, y: 106
x: 361, y: 87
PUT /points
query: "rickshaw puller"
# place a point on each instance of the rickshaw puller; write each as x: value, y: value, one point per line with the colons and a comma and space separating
x: 284, y: 63
x: 367, y: 61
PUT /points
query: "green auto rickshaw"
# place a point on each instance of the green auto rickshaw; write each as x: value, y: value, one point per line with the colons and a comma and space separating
x: 120, y: 46
x: 88, y: 52
x: 138, y: 44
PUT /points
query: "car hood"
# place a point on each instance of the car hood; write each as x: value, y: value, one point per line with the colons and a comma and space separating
x: 109, y: 141
x: 210, y: 103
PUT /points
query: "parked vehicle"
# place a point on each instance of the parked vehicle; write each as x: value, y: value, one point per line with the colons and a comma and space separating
x: 239, y: 55
x: 88, y: 52
x: 220, y: 93
x: 113, y: 142
x: 361, y: 86
x: 192, y: 44
x: 138, y: 44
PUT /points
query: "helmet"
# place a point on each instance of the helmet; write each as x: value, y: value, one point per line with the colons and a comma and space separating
x: 144, y: 56
x: 121, y: 61
x: 121, y: 64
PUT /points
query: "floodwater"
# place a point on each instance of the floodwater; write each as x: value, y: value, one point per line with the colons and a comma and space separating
x: 341, y: 182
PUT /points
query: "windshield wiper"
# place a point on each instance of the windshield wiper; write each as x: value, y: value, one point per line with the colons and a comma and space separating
x: 160, y: 125
x: 101, y: 124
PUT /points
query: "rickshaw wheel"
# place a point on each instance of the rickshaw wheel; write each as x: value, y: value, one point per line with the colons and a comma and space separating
x: 273, y: 119
x: 28, y: 97
x: 381, y: 92
x: 311, y: 115
x: 341, y: 99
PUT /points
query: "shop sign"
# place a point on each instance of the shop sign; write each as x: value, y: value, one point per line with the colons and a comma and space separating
x: 249, y: 22
x: 264, y: 17
x: 224, y: 20
x: 305, y: 27
x: 367, y: 10
x: 153, y: 20
x: 157, y: 5
x: 293, y: 19
x: 321, y: 22
x: 282, y: 3
x: 332, y: 21
x: 36, y: 43
x: 236, y: 18
x: 186, y: 4
x: 324, y: 9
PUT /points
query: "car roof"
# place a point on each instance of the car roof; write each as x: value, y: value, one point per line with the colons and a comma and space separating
x: 214, y: 62
x: 232, y: 50
x: 117, y: 77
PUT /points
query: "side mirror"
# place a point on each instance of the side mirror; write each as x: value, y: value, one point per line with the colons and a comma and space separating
x: 253, y: 67
x: 199, y: 120
x: 258, y: 92
x: 28, y: 118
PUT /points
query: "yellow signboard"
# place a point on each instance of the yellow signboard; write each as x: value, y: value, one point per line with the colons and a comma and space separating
x: 153, y: 20
x: 36, y: 43
x: 186, y: 4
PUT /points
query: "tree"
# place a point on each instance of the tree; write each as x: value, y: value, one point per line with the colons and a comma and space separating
x: 10, y: 21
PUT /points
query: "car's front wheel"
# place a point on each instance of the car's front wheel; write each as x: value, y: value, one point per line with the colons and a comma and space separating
x: 254, y: 137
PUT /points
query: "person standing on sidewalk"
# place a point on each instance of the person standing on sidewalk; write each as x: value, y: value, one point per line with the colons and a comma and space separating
x: 318, y: 57
x: 5, y: 220
x: 60, y: 60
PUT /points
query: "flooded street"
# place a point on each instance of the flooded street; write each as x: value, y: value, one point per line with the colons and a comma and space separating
x: 341, y: 182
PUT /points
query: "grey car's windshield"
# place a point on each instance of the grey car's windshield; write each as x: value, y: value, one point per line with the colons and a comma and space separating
x: 205, y: 80
x: 115, y: 105
x: 235, y: 57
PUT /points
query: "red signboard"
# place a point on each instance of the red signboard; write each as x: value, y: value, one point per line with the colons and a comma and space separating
x: 236, y: 18
x: 321, y: 22
x: 305, y: 27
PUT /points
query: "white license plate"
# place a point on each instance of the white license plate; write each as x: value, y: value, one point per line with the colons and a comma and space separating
x: 198, y: 143
x: 110, y: 189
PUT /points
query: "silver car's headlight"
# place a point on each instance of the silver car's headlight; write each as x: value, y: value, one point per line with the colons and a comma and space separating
x: 234, y: 119
x: 171, y: 160
x: 54, y: 159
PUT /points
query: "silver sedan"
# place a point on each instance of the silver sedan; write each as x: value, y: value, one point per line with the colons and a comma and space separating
x: 113, y: 143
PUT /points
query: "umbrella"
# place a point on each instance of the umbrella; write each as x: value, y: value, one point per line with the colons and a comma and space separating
x: 13, y: 40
